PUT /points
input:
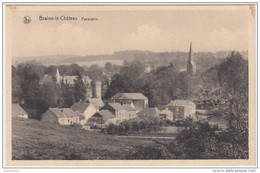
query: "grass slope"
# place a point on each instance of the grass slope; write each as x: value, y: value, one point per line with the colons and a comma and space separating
x: 35, y: 140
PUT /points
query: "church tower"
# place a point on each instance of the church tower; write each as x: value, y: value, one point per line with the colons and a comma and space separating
x: 58, y: 78
x: 191, y: 67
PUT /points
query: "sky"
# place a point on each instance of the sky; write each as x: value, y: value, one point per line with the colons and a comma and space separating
x: 152, y: 30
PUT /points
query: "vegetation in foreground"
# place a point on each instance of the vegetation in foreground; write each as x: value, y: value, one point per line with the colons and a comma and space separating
x: 34, y: 140
x: 197, y: 141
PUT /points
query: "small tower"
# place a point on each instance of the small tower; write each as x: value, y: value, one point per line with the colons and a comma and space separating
x: 191, y: 66
x: 58, y: 78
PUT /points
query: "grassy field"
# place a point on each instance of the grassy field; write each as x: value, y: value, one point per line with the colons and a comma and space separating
x: 35, y: 140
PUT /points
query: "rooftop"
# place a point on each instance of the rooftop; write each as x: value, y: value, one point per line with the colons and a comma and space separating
x: 180, y: 103
x: 80, y: 106
x: 17, y: 110
x: 132, y: 96
x: 63, y: 112
x: 116, y: 106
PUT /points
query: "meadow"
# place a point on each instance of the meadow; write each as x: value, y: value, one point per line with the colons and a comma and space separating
x: 35, y: 140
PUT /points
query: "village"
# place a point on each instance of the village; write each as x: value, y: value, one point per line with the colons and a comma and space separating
x: 95, y: 114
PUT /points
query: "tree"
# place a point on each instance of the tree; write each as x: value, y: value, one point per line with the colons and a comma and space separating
x: 79, y: 89
x: 16, y: 86
x: 109, y: 67
x: 66, y: 97
x: 95, y: 72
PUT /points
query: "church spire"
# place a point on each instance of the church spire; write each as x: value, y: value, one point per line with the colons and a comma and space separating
x: 191, y: 67
x: 190, y: 53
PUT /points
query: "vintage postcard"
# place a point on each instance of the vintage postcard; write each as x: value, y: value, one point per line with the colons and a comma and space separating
x: 130, y: 85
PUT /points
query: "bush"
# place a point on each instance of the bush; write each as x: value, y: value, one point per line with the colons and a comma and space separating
x: 149, y: 152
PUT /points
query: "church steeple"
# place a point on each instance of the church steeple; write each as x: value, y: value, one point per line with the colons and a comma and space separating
x: 191, y: 67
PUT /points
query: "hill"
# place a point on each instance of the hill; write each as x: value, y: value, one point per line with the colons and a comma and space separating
x: 34, y: 140
x: 204, y: 60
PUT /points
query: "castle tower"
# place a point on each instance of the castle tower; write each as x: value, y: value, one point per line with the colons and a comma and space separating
x: 191, y: 66
x: 58, y: 78
x: 96, y: 89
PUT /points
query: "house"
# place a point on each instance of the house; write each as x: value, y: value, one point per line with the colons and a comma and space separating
x: 130, y: 111
x: 137, y: 99
x: 116, y: 109
x: 18, y: 111
x: 62, y: 116
x: 182, y: 109
x: 148, y: 112
x: 166, y: 114
x: 85, y: 109
x: 99, y: 119
x: 96, y: 102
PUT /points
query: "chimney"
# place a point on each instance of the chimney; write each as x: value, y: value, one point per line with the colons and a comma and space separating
x: 98, y: 89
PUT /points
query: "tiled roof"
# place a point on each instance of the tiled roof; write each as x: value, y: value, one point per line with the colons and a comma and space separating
x: 80, y: 106
x: 116, y: 106
x: 96, y: 102
x: 128, y: 107
x: 17, y: 110
x: 132, y: 96
x: 63, y: 112
x: 106, y: 114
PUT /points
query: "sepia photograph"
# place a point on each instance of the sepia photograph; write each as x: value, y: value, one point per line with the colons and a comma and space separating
x: 153, y: 85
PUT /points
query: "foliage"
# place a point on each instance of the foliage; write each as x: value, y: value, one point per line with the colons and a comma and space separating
x: 151, y: 124
x: 160, y: 85
x: 200, y: 140
x: 66, y: 96
x: 79, y: 89
x: 149, y: 152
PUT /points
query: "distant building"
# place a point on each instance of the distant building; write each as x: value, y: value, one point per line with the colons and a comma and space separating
x: 130, y: 111
x: 137, y: 99
x: 166, y: 114
x: 62, y: 116
x: 148, y: 112
x: 117, y: 110
x: 99, y: 119
x: 182, y: 109
x: 191, y: 66
x: 85, y: 109
x: 18, y: 111
x: 57, y: 78
x: 147, y: 68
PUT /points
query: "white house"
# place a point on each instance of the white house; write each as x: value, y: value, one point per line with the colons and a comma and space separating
x: 182, y: 109
x: 62, y: 116
x: 85, y: 109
